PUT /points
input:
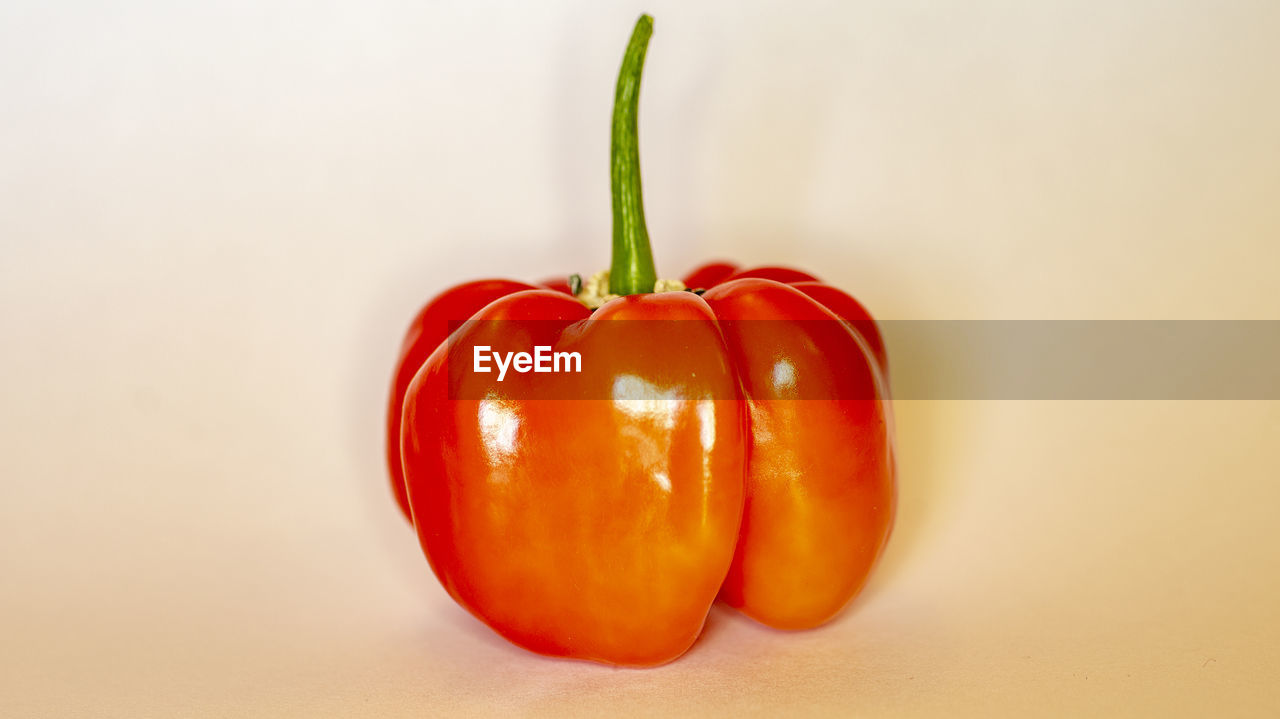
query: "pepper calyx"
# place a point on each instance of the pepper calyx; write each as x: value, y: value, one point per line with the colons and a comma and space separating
x: 594, y: 292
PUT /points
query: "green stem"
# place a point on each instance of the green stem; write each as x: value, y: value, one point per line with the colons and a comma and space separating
x: 631, y: 271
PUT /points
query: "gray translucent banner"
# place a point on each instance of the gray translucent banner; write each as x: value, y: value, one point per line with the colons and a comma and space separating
x: 1084, y: 359
x: 829, y: 359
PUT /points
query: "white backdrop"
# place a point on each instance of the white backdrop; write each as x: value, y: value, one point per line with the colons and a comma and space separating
x: 216, y: 219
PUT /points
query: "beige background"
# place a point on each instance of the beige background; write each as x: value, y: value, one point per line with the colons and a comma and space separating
x: 216, y: 218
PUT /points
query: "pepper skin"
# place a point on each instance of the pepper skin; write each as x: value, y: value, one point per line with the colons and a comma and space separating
x: 589, y: 528
x: 429, y: 330
x: 820, y: 481
x: 597, y: 515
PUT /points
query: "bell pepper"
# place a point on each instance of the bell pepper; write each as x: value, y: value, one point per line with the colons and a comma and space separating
x: 759, y: 469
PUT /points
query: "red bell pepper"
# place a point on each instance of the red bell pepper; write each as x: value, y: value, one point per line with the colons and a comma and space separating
x: 604, y: 528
